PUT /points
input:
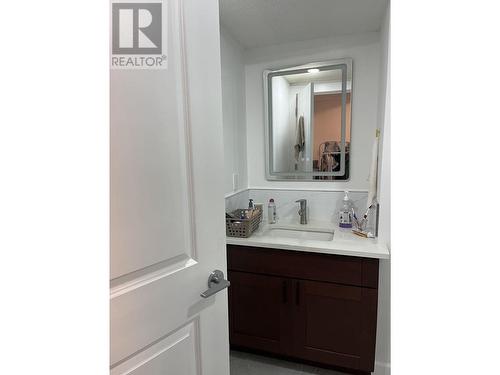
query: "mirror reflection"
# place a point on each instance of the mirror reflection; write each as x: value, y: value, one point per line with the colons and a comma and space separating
x: 309, y: 122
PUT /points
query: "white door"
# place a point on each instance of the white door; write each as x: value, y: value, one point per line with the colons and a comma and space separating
x: 167, y: 205
x: 305, y: 108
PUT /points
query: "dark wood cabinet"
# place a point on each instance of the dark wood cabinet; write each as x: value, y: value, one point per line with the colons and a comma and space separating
x: 335, y: 324
x: 314, y: 307
x: 259, y: 314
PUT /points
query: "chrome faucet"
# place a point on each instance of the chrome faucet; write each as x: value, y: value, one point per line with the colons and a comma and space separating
x: 302, y: 210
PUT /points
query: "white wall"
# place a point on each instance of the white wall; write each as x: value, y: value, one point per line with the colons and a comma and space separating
x: 233, y: 112
x: 383, y: 353
x: 364, y: 49
x: 384, y: 177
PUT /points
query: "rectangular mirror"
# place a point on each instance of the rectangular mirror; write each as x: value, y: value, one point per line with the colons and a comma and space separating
x: 308, y: 121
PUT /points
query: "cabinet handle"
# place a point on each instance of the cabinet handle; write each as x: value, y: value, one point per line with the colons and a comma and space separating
x: 285, y: 290
x: 297, y: 293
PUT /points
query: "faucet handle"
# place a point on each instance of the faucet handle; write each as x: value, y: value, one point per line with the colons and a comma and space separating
x: 303, y: 203
x: 302, y: 210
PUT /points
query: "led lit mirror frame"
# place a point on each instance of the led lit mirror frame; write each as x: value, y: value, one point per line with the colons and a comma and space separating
x: 345, y: 65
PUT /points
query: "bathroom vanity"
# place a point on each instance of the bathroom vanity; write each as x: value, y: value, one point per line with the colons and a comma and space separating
x: 305, y: 299
x: 300, y: 289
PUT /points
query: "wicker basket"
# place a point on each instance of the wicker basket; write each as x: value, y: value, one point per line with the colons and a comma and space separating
x: 243, y: 227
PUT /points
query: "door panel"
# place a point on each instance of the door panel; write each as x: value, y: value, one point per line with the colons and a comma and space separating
x: 336, y: 324
x: 175, y: 353
x: 306, y: 110
x: 259, y: 317
x: 139, y: 310
x: 167, y: 205
x: 149, y: 171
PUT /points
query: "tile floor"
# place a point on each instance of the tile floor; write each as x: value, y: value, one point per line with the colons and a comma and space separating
x: 250, y: 364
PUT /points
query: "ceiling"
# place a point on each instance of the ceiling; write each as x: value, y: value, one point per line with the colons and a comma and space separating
x: 259, y: 23
x: 325, y: 76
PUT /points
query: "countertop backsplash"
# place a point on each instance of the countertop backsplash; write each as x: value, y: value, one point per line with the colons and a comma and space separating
x: 322, y: 205
x: 237, y: 200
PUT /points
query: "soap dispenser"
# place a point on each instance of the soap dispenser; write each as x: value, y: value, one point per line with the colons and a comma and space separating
x: 271, y: 212
x: 346, y: 212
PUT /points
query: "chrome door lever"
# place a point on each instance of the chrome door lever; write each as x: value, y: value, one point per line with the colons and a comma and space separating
x: 216, y: 283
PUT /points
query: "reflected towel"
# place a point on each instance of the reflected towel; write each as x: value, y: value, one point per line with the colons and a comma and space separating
x: 300, y: 142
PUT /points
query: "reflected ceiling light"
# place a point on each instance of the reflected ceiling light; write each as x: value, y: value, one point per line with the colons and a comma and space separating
x: 313, y: 70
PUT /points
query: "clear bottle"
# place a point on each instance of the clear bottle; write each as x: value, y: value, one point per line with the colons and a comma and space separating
x: 271, y: 212
x: 345, y: 212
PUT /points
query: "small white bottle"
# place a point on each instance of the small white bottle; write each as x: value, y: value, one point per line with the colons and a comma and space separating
x: 345, y: 212
x: 271, y: 212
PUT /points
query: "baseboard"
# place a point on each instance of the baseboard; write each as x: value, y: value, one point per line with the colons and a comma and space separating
x: 382, y: 368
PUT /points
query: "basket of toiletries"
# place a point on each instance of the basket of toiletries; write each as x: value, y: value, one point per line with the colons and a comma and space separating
x: 243, y: 222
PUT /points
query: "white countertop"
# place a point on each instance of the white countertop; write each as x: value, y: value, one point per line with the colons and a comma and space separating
x: 343, y: 243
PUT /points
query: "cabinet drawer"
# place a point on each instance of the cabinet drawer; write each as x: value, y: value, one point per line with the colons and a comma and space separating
x: 302, y: 265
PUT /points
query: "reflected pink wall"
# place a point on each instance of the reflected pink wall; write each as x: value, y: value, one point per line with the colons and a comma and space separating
x: 327, y: 120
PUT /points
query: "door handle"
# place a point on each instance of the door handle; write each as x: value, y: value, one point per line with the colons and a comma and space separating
x: 216, y: 283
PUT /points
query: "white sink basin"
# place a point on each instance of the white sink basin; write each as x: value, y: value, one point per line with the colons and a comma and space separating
x: 300, y: 234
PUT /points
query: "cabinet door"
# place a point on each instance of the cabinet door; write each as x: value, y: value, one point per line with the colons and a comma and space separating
x: 259, y: 313
x: 335, y: 324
